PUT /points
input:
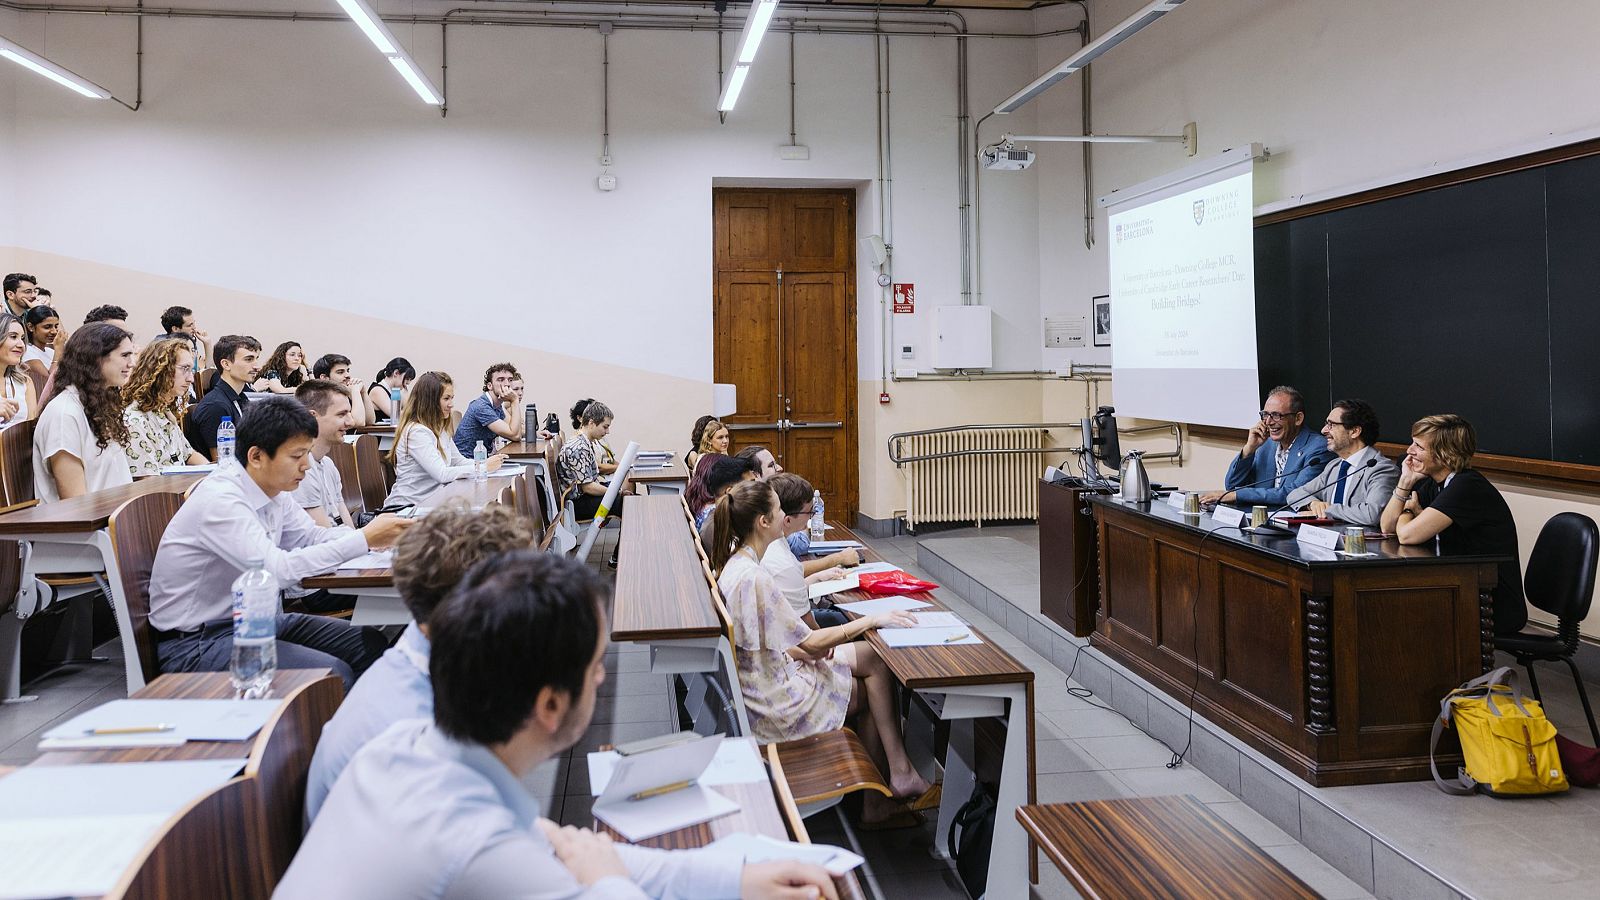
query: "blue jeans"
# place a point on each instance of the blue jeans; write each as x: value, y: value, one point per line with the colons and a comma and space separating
x: 829, y: 617
x: 304, y: 642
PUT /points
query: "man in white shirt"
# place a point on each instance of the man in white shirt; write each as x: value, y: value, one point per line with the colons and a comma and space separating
x: 246, y: 511
x: 428, y: 562
x: 518, y: 657
x: 794, y: 498
x: 321, y: 493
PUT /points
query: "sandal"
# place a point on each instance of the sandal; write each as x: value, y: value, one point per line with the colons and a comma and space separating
x: 929, y: 800
x: 895, y: 822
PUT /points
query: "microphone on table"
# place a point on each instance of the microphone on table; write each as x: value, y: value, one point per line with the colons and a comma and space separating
x: 1334, y: 483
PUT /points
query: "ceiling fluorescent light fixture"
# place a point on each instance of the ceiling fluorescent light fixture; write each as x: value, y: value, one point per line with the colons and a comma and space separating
x: 383, y: 39
x: 1089, y: 53
x: 755, y: 26
x: 71, y: 80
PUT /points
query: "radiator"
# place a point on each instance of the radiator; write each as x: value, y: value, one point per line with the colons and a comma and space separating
x: 973, y: 488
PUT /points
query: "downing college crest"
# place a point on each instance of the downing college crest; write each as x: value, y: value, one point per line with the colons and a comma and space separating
x: 1199, y: 211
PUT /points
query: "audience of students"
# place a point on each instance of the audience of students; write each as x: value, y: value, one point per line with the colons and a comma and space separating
x: 79, y: 443
x: 45, y: 340
x: 335, y: 367
x: 22, y: 292
x: 236, y: 357
x: 396, y: 375
x: 429, y: 560
x: 424, y: 456
x: 516, y: 664
x: 114, y: 315
x: 18, y: 400
x: 495, y: 414
x: 283, y: 370
x: 797, y: 681
x: 245, y: 513
x: 153, y: 400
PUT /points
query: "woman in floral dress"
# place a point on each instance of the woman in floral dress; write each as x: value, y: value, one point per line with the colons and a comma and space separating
x: 154, y: 392
x: 798, y: 681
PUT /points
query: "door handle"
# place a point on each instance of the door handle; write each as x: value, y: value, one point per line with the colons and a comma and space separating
x: 816, y: 424
x: 754, y: 426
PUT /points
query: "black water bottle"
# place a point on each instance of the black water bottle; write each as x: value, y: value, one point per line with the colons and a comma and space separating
x: 530, y: 424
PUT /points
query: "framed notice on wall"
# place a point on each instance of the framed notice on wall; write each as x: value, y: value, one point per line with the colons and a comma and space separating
x: 1102, y: 320
x: 905, y: 298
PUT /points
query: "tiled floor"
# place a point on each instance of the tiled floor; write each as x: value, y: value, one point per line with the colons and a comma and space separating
x: 1084, y: 752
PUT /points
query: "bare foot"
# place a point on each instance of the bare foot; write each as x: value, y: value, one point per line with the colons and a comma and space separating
x: 908, y: 786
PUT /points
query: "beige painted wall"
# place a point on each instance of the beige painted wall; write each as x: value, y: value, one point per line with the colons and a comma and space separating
x: 651, y: 408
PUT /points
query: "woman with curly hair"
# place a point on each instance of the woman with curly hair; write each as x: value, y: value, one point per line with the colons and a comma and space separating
x: 283, y: 371
x: 424, y: 455
x: 154, y: 395
x: 18, y: 401
x: 79, y: 444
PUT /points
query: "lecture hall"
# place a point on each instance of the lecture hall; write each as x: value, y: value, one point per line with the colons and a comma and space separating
x: 882, y: 449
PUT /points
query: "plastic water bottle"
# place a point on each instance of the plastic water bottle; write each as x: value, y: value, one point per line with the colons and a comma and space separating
x: 817, y: 526
x: 480, y: 462
x: 225, y: 436
x: 255, y: 630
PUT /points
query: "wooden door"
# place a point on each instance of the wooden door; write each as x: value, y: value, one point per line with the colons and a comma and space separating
x: 784, y: 320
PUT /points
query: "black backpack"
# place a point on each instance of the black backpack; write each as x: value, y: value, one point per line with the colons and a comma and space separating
x: 971, y: 835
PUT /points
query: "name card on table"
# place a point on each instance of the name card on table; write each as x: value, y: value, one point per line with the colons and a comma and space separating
x: 1227, y: 516
x: 1175, y: 500
x: 1318, y: 537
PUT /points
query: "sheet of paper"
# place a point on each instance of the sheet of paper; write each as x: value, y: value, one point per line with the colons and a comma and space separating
x: 928, y: 637
x: 188, y: 470
x: 73, y: 830
x: 640, y: 819
x: 758, y: 848
x: 869, y: 568
x: 506, y: 469
x: 372, y: 559
x: 821, y: 547
x: 651, y: 465
x: 879, y: 605
x: 838, y: 586
x: 655, y: 454
x: 938, y: 619
x: 193, y: 720
x: 737, y: 762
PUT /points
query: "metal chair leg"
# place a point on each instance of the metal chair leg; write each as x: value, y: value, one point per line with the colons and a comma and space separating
x: 1583, y: 695
x: 1533, y: 678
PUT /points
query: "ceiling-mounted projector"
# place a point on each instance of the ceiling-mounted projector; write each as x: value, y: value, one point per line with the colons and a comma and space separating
x: 1006, y: 158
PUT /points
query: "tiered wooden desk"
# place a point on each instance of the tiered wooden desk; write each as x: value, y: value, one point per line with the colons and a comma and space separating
x: 962, y: 683
x: 70, y: 536
x: 1156, y: 847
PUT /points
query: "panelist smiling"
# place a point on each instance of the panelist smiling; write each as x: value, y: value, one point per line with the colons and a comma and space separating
x: 1354, y: 487
x: 1278, y: 455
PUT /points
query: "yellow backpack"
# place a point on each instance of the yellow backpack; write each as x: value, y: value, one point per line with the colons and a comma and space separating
x: 1509, y: 746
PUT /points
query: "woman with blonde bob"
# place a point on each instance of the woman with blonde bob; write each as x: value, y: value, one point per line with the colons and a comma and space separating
x: 424, y: 454
x: 154, y: 396
x: 1441, y: 496
x: 797, y: 681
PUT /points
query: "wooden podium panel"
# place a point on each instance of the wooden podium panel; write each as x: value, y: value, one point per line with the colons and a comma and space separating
x: 1333, y: 667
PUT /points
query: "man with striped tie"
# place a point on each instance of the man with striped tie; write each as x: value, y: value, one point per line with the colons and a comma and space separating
x: 1355, y: 486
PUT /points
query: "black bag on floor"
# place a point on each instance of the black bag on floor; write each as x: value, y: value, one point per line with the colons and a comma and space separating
x: 971, y: 835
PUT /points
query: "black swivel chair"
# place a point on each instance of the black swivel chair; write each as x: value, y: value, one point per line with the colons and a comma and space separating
x: 1560, y: 581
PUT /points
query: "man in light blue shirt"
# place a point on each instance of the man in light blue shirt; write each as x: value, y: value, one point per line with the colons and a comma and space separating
x: 428, y: 562
x: 518, y: 657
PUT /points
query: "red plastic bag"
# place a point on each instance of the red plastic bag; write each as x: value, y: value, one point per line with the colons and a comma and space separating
x: 896, y: 582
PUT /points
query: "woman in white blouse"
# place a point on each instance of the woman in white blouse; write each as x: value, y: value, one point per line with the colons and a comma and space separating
x: 78, y: 446
x: 424, y: 454
x: 153, y: 393
x: 18, y: 403
x: 41, y: 326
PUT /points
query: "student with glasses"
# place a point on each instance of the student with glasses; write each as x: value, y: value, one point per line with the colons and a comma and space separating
x: 154, y: 394
x: 1355, y: 485
x: 1278, y: 455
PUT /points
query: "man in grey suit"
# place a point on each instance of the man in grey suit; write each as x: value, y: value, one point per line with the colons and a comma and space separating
x: 1351, y: 430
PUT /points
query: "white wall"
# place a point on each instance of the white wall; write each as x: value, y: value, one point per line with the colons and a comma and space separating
x: 8, y: 162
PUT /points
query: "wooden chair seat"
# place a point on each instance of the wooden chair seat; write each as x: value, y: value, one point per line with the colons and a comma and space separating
x: 344, y: 459
x: 64, y: 580
x: 16, y: 463
x: 827, y: 766
x: 135, y: 529
x: 369, y: 473
x: 281, y: 765
x: 211, y: 848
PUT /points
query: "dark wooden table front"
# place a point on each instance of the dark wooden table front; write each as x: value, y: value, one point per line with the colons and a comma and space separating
x: 1156, y: 847
x: 91, y: 511
x: 1331, y: 666
x: 521, y: 451
x: 661, y: 591
x: 186, y: 686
